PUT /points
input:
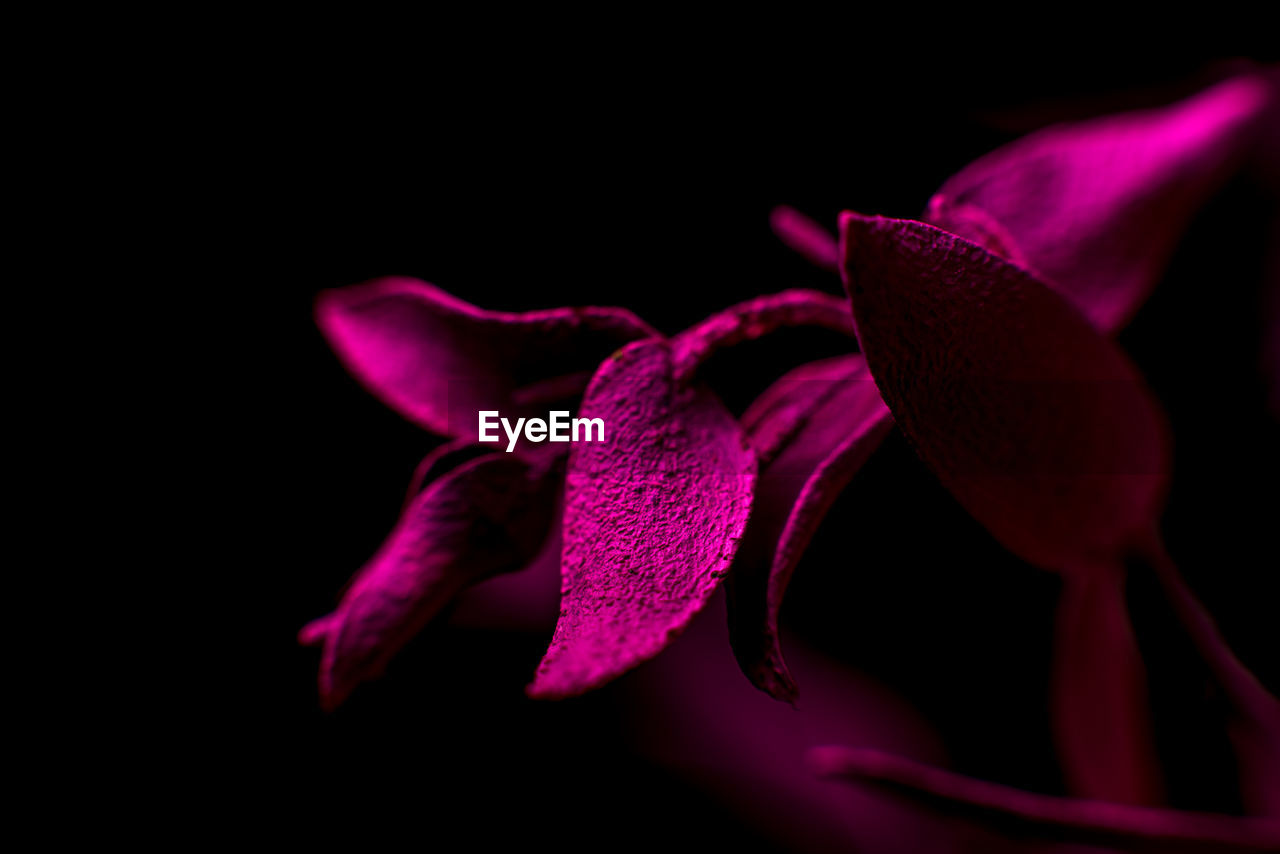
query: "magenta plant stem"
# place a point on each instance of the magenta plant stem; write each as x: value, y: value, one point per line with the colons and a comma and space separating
x: 756, y: 318
x: 1183, y: 830
x: 1254, y: 727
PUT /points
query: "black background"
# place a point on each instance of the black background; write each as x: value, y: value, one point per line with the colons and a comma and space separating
x: 550, y: 180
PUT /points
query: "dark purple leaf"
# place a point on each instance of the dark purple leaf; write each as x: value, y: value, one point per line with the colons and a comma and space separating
x: 1048, y: 436
x: 1039, y: 424
x: 1046, y: 433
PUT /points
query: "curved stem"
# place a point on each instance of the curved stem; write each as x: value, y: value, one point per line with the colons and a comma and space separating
x: 1101, y: 709
x: 1254, y: 728
x: 986, y: 800
x: 756, y: 318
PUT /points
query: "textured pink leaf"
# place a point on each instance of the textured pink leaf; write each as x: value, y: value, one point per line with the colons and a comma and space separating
x: 438, y: 360
x: 1045, y: 822
x: 806, y: 237
x: 1096, y: 208
x: 653, y: 516
x: 812, y: 430
x: 485, y: 517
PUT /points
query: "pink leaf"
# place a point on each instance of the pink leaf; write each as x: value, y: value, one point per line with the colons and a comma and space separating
x: 1096, y: 208
x: 653, y: 516
x: 812, y: 429
x: 438, y: 360
x: 487, y: 516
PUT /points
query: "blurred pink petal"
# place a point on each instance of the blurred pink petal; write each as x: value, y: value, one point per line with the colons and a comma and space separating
x: 653, y: 516
x: 690, y: 711
x: 1096, y: 208
x: 437, y: 360
x: 806, y: 237
x: 1043, y: 821
x: 487, y: 516
x: 812, y: 430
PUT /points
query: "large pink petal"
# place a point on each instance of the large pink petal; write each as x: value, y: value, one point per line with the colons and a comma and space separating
x: 1096, y: 208
x: 438, y: 360
x: 812, y: 429
x: 1044, y: 822
x: 486, y: 517
x: 653, y: 516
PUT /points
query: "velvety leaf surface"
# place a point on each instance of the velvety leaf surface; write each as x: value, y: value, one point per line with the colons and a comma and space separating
x: 1038, y: 424
x: 1044, y: 822
x: 812, y: 430
x: 486, y: 517
x: 1096, y: 208
x: 653, y: 516
x: 438, y: 360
